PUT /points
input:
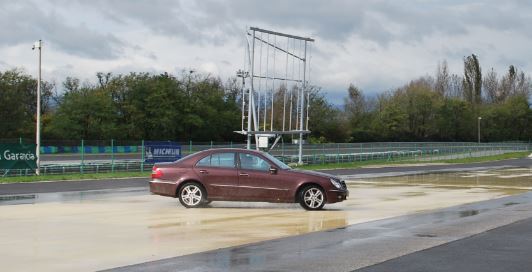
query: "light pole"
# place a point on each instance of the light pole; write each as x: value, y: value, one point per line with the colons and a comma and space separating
x: 38, y: 45
x: 479, y: 118
x: 189, y: 78
x: 243, y: 75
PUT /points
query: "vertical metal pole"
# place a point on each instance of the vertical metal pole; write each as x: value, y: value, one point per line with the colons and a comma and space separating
x: 273, y: 82
x: 190, y: 147
x: 82, y: 154
x: 479, y: 118
x: 243, y: 74
x: 142, y: 157
x: 302, y: 106
x: 112, y: 156
x: 250, y: 95
x: 285, y: 83
x: 38, y: 132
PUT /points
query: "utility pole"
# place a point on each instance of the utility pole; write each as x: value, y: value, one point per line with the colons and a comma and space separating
x: 304, y: 88
x: 251, y: 105
x: 38, y: 45
x: 479, y: 118
x: 243, y: 75
x: 188, y: 84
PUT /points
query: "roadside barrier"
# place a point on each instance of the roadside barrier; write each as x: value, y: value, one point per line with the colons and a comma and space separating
x: 62, y: 157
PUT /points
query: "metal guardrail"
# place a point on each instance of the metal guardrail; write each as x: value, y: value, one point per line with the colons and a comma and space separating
x: 313, y: 154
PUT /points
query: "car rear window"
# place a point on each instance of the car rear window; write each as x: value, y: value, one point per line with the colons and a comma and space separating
x: 218, y: 160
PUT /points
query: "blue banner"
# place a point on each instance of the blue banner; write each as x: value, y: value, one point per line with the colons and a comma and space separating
x: 156, y: 151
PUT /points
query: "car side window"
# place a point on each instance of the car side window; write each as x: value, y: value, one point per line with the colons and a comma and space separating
x: 226, y: 160
x: 223, y: 160
x: 204, y: 162
x: 252, y: 162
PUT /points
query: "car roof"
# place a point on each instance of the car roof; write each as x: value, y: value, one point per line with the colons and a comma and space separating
x: 231, y: 149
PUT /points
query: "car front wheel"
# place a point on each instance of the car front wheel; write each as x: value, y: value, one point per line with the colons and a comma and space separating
x: 312, y: 198
x: 192, y: 195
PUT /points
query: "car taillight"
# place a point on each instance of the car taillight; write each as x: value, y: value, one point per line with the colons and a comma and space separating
x: 156, y: 173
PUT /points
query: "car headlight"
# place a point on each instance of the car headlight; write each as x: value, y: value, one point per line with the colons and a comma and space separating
x: 336, y: 183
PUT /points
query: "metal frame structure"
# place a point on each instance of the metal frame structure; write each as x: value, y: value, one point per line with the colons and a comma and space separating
x: 264, y: 56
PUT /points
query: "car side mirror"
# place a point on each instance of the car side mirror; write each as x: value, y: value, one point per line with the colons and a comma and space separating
x: 273, y: 170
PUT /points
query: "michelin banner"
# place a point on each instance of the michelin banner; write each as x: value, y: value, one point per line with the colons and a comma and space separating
x: 17, y: 156
x: 157, y: 151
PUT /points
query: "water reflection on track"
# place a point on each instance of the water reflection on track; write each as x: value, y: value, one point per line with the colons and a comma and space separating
x: 108, y: 228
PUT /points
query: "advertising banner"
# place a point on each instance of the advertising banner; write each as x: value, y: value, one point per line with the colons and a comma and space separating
x: 155, y: 151
x: 17, y: 156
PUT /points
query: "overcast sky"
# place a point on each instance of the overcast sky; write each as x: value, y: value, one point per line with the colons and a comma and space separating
x: 377, y: 45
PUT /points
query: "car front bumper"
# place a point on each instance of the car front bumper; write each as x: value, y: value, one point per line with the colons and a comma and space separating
x: 334, y: 196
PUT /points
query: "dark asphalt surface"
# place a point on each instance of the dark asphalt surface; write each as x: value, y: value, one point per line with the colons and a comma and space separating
x: 504, y: 249
x: 434, y: 241
x: 375, y: 242
x: 72, y: 185
x: 66, y: 186
x: 407, y: 170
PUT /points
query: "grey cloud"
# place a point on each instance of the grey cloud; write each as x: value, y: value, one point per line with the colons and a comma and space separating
x: 171, y: 18
x: 23, y: 23
x: 217, y: 21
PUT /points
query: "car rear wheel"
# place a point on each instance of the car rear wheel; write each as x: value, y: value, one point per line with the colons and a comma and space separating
x: 312, y: 198
x: 192, y: 195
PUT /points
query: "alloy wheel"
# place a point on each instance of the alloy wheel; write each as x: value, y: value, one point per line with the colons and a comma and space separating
x: 191, y: 195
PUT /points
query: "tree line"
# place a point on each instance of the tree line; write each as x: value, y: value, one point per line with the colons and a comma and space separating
x: 199, y: 107
x: 443, y: 107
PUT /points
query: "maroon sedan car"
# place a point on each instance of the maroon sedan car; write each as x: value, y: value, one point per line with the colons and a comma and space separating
x: 243, y: 175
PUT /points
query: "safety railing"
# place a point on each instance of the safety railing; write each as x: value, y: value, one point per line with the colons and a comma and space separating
x: 68, y: 157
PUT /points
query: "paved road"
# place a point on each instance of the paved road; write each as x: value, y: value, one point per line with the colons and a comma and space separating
x: 362, y: 245
x: 70, y: 186
x: 66, y: 186
x: 422, y: 169
x: 385, y: 244
x: 504, y: 249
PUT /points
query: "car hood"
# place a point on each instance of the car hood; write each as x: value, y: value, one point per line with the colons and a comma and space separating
x: 313, y: 173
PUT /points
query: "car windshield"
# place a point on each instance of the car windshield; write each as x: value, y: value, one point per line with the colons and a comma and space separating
x: 279, y: 163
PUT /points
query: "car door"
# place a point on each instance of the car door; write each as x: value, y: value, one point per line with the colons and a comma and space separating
x: 256, y: 182
x: 219, y: 174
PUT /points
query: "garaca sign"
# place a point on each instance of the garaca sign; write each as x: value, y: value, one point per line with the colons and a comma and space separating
x: 17, y: 156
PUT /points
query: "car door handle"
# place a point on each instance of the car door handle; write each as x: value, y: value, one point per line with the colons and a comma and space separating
x: 204, y: 171
x: 244, y: 175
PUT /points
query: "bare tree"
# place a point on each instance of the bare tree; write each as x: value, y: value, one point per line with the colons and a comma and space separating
x: 442, y: 83
x: 507, y: 86
x: 523, y: 85
x: 491, y: 87
x: 455, y: 86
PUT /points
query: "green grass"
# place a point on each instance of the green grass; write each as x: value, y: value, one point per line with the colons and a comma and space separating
x: 358, y: 164
x: 505, y: 156
x: 73, y: 177
x: 349, y: 165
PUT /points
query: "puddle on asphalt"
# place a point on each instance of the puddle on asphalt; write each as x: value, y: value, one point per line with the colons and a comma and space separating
x: 509, y: 181
x: 111, y: 228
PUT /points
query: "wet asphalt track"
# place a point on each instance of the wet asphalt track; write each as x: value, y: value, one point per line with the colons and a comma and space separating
x: 491, y: 235
x: 61, y: 186
x: 507, y: 248
x: 382, y: 243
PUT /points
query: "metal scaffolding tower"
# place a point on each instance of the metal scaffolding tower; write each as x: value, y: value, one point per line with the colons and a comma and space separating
x: 277, y: 69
